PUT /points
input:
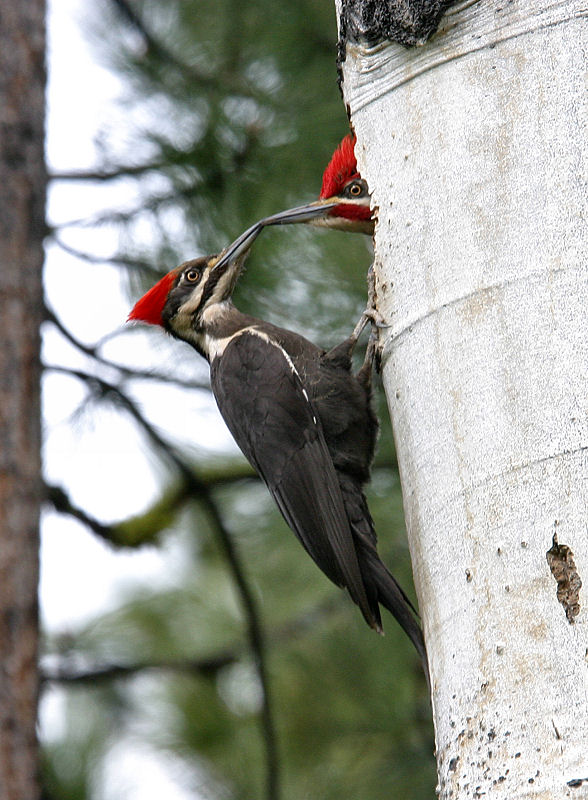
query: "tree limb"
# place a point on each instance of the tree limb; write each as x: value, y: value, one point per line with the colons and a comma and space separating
x: 127, y: 372
x: 121, y: 171
x: 131, y: 263
x: 207, y: 666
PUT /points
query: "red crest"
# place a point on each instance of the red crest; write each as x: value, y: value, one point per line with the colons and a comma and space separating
x: 341, y: 168
x: 149, y: 307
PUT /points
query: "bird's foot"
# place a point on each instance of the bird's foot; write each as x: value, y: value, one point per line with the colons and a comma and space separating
x: 370, y: 316
x: 373, y: 355
x: 373, y: 359
x: 370, y: 313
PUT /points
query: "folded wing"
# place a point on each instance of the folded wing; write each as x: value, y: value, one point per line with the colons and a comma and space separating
x: 263, y: 401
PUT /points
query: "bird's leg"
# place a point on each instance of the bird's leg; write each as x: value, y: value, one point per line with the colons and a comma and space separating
x: 373, y: 316
x: 370, y: 313
x: 372, y: 358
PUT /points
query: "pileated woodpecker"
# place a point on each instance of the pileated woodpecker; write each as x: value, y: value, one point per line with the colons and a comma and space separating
x: 344, y: 200
x: 301, y: 417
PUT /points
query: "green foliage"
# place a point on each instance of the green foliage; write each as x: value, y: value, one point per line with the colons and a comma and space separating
x: 234, y: 110
x: 352, y: 707
x: 242, y: 128
x: 146, y: 527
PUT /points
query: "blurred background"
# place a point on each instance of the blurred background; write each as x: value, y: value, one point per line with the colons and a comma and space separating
x: 191, y: 647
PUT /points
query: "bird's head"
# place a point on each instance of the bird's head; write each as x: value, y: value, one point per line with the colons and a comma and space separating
x: 344, y: 200
x: 190, y: 299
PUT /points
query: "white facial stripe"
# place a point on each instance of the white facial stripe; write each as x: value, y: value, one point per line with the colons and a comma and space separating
x: 192, y: 303
x: 222, y: 288
x: 182, y: 321
x: 219, y: 291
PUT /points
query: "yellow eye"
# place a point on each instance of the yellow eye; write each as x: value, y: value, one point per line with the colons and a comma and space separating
x: 355, y: 190
x: 192, y: 276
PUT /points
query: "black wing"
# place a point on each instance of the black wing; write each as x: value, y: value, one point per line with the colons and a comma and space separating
x: 263, y: 401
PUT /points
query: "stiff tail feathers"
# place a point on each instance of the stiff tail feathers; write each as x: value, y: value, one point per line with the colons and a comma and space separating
x: 392, y: 597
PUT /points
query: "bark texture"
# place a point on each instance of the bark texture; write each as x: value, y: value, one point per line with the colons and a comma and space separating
x: 408, y: 22
x: 474, y: 149
x: 22, y: 205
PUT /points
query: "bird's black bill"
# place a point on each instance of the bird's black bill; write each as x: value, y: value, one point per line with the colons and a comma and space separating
x: 320, y: 208
x: 240, y: 246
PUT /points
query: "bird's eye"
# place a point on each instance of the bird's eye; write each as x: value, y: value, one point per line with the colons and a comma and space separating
x: 355, y: 189
x: 192, y: 276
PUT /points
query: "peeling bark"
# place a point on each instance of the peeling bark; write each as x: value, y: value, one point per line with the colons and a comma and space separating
x: 563, y: 568
x: 408, y: 22
x: 22, y: 204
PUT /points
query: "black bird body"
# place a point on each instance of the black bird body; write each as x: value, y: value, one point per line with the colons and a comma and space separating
x: 300, y: 416
x: 307, y: 426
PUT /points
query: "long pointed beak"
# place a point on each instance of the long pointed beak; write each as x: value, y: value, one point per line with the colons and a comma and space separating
x: 320, y: 208
x: 240, y: 246
x: 306, y: 213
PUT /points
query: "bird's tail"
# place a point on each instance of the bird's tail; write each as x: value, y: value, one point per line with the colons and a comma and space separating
x: 380, y: 585
x: 392, y: 597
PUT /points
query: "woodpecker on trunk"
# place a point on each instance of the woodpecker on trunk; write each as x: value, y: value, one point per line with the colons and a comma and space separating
x: 344, y: 204
x: 344, y: 200
x: 300, y: 416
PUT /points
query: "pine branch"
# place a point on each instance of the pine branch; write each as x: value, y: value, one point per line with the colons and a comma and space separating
x: 130, y: 263
x: 152, y: 204
x: 61, y: 502
x: 131, y: 533
x: 257, y: 642
x: 112, y: 173
x: 207, y: 666
x: 211, y: 82
x: 127, y: 372
x: 145, y: 528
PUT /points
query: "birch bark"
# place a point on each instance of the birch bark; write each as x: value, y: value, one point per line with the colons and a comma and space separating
x: 473, y: 146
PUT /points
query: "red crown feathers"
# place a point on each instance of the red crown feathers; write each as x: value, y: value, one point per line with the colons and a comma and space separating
x: 149, y: 307
x: 341, y: 168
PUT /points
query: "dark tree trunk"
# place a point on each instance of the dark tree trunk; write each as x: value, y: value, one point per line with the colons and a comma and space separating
x: 22, y: 207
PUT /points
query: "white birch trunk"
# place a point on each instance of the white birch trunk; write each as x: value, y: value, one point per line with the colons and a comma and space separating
x: 473, y: 147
